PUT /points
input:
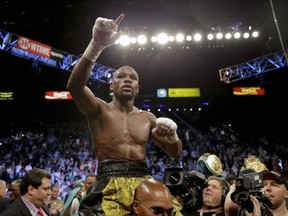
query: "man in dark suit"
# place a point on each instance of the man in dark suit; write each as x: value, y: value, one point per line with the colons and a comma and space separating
x: 35, y: 189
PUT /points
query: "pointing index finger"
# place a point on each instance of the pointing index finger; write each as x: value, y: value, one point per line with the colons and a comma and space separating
x: 119, y: 19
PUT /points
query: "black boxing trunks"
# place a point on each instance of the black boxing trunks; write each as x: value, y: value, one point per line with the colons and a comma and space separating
x: 114, y: 189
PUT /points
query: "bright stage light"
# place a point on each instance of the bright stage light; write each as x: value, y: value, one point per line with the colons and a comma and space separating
x: 162, y: 38
x: 131, y: 37
x: 219, y: 35
x: 197, y: 37
x: 124, y: 40
x: 179, y: 37
x: 228, y: 36
x: 142, y: 39
x: 189, y: 38
x: 237, y: 35
x: 246, y: 35
x: 255, y: 34
x: 210, y: 36
x: 171, y: 38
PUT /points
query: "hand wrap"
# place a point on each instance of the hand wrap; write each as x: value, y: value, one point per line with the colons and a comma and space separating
x: 171, y: 124
x: 99, y: 40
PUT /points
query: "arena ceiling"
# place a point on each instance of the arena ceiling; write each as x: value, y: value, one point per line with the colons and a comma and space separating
x: 67, y: 24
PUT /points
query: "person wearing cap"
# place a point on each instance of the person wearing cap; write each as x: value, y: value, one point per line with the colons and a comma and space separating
x: 275, y: 187
x: 276, y: 190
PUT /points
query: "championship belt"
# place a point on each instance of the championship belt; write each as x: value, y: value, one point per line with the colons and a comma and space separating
x: 252, y: 162
x: 214, y: 165
x: 210, y: 162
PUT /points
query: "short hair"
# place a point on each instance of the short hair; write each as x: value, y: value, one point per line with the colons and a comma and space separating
x: 17, y: 181
x: 2, y: 183
x: 55, y: 186
x: 231, y: 178
x: 91, y: 175
x: 34, y: 178
x: 225, y: 185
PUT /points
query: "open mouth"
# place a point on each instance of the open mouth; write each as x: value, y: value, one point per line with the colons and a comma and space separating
x: 127, y: 88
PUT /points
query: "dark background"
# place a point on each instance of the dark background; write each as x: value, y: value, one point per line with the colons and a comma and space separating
x: 66, y: 25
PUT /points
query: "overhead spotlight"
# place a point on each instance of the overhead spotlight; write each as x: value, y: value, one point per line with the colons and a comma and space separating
x: 162, y: 38
x: 255, y: 34
x: 153, y: 39
x: 124, y: 40
x: 179, y: 37
x: 197, y: 37
x: 246, y: 35
x: 237, y: 35
x: 133, y: 40
x: 219, y: 35
x: 171, y: 38
x: 228, y: 36
x: 189, y: 38
x: 142, y: 39
x: 210, y: 36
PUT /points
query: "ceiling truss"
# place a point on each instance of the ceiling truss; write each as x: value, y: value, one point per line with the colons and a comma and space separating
x: 8, y: 42
x: 269, y: 62
x: 253, y: 67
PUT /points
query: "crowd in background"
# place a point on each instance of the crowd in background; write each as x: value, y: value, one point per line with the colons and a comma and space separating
x: 64, y: 150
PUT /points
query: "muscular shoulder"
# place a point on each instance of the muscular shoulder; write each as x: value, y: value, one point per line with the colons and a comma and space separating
x: 98, y: 106
x: 149, y: 115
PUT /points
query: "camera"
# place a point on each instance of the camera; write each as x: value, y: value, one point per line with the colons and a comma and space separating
x: 186, y: 184
x: 252, y: 184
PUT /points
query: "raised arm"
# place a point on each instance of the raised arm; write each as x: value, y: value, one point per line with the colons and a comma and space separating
x: 104, y: 34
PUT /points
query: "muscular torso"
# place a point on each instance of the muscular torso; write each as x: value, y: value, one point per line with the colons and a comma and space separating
x: 119, y: 135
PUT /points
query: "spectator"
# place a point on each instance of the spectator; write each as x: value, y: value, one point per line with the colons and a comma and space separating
x: 275, y: 188
x: 54, y: 203
x: 73, y: 207
x: 35, y: 188
x: 4, y: 201
x: 231, y: 179
x: 213, y: 197
x: 152, y: 197
x: 14, y: 189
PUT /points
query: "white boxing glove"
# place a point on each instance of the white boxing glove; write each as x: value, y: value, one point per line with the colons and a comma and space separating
x: 171, y: 124
x: 104, y: 34
x: 105, y: 25
x: 167, y: 122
